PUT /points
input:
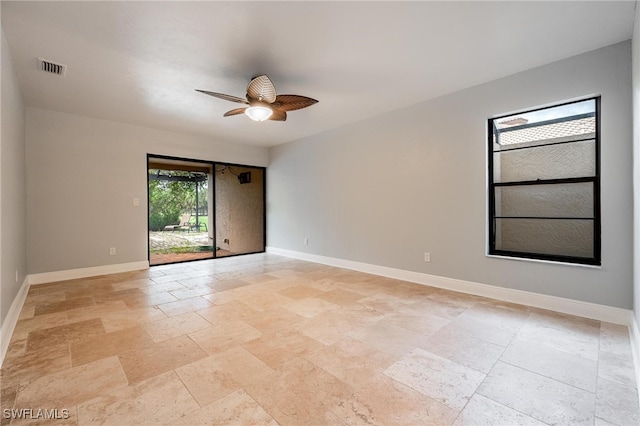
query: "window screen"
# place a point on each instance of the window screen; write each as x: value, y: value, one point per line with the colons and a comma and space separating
x: 544, y: 183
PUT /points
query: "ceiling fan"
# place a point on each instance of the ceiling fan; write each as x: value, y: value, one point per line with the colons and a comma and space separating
x: 262, y: 101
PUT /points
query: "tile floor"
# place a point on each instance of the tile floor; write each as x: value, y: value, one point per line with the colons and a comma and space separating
x: 263, y: 339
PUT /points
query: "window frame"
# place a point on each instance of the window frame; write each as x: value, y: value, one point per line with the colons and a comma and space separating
x: 596, y: 260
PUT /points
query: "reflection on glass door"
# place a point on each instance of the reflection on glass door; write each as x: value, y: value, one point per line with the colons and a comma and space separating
x: 239, y: 209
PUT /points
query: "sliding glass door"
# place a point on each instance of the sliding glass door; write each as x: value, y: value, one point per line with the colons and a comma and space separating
x: 202, y: 210
x: 239, y: 201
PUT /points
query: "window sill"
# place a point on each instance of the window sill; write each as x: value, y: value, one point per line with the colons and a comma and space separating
x: 552, y: 262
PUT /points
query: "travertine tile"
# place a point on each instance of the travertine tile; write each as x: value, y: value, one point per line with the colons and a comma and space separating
x: 389, y: 338
x: 63, y: 305
x: 198, y: 282
x: 448, y: 310
x: 145, y: 300
x: 231, y: 284
x: 384, y: 303
x: 419, y: 322
x: 482, y: 411
x: 464, y: 349
x: 224, y: 336
x: 340, y: 297
x: 222, y: 297
x: 299, y: 393
x: 562, y: 339
x: 565, y: 322
x: 259, y: 278
x: 185, y: 306
x: 540, y: 397
x: 436, y: 377
x: 228, y: 312
x: 159, y: 400
x: 218, y: 375
x: 332, y: 326
x: 109, y: 344
x: 351, y: 361
x: 17, y: 347
x: 297, y: 292
x: 130, y: 284
x: 236, y: 408
x: 34, y: 298
x: 142, y: 364
x: 162, y: 288
x: 99, y: 311
x: 617, y: 404
x: 486, y: 324
x: 66, y: 388
x: 41, y: 322
x: 263, y: 300
x: 194, y: 292
x: 565, y: 367
x: 273, y: 319
x: 132, y: 318
x: 618, y: 368
x: 206, y: 382
x: 34, y: 364
x: 7, y: 401
x: 64, y: 334
x: 456, y: 298
x: 169, y: 328
x: 311, y: 307
x: 277, y: 348
x: 28, y: 311
x: 393, y: 403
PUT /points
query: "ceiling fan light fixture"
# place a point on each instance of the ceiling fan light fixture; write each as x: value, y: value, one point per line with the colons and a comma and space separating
x: 258, y: 112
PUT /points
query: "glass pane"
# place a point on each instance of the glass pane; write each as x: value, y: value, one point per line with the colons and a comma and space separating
x: 575, y: 120
x: 559, y: 200
x: 239, y: 195
x: 546, y: 236
x: 179, y: 225
x: 568, y: 160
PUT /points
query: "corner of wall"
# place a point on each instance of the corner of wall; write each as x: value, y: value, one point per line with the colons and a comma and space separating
x: 10, y: 321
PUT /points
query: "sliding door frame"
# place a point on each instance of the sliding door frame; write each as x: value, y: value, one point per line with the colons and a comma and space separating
x: 212, y: 203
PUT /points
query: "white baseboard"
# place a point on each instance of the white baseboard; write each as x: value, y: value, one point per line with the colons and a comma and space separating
x: 558, y: 304
x: 72, y: 274
x: 10, y: 321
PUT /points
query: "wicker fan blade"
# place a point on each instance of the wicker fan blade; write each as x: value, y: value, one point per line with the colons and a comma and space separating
x: 278, y: 115
x: 293, y: 102
x: 235, y: 112
x: 262, y: 89
x: 223, y: 96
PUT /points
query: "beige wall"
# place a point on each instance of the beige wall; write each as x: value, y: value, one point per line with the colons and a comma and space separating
x: 82, y: 176
x: 386, y: 190
x: 239, y: 211
x: 12, y: 184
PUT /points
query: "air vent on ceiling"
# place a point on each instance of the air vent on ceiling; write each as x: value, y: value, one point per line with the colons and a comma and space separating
x: 51, y: 67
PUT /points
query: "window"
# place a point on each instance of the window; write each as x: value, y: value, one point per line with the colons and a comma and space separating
x: 544, y: 183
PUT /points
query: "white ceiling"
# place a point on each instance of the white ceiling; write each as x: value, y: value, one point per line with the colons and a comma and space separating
x: 139, y: 62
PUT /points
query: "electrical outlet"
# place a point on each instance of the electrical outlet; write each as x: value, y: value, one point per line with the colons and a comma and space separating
x: 427, y: 256
x: 112, y: 251
x: 306, y: 241
x: 136, y: 202
x: 17, y: 276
